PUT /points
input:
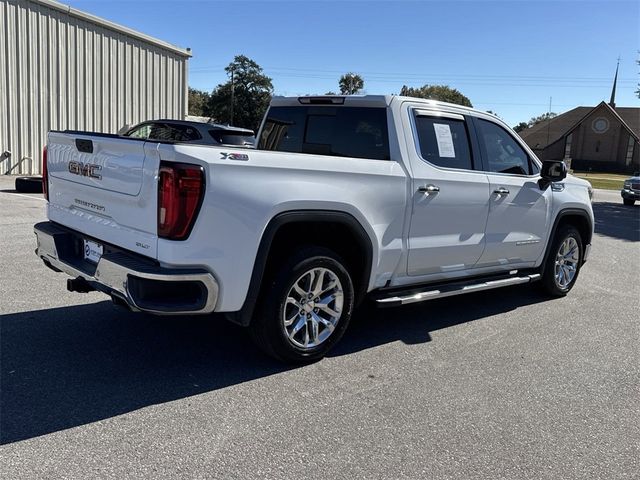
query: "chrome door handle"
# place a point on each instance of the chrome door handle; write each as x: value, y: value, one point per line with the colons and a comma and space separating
x: 429, y: 189
x: 501, y: 191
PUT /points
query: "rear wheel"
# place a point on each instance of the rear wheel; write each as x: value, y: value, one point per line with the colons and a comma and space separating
x: 563, y: 262
x: 628, y: 201
x: 305, y: 307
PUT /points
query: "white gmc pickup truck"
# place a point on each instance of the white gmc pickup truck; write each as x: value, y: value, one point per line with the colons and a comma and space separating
x: 396, y: 199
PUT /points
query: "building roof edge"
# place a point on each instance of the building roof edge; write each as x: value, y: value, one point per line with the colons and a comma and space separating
x: 74, y: 12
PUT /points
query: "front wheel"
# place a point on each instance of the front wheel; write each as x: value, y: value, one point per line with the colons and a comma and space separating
x: 628, y: 201
x: 305, y: 307
x: 563, y: 262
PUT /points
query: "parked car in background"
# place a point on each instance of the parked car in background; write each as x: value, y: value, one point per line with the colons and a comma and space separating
x: 192, y: 132
x: 631, y: 189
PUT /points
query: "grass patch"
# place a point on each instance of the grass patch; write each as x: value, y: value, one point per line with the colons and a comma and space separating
x: 606, y: 181
x: 604, y: 184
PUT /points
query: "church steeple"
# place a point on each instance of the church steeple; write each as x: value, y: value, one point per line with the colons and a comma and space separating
x: 612, y: 102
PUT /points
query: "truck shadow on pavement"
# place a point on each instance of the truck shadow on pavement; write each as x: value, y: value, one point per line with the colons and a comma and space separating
x: 70, y: 366
x: 617, y: 220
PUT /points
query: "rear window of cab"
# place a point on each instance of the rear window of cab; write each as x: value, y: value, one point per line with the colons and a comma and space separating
x: 358, y: 132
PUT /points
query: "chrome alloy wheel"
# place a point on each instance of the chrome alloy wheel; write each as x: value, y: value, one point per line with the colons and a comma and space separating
x: 567, y: 260
x: 313, y: 308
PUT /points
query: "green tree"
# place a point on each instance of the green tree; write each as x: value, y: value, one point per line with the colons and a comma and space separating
x: 534, y: 121
x: 541, y: 118
x: 350, y: 83
x: 251, y: 90
x: 444, y: 93
x: 198, y: 102
x: 521, y: 126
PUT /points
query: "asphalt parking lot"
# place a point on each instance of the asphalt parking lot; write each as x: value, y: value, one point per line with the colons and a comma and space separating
x: 500, y: 384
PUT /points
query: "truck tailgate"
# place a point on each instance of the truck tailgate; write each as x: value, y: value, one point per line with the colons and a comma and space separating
x: 105, y: 186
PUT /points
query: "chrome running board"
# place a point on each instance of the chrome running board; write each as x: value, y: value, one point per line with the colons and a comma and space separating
x: 430, y: 293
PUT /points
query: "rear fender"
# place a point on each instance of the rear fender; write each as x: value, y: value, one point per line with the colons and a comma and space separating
x: 244, y: 315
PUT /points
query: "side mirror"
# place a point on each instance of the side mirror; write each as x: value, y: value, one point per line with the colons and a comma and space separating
x: 552, y: 171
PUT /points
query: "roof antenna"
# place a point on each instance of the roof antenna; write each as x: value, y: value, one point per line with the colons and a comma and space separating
x: 612, y: 102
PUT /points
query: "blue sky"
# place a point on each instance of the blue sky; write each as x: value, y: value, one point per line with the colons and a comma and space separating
x: 506, y: 56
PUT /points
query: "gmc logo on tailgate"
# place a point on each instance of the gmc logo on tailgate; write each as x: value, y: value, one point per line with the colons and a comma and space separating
x: 85, y: 169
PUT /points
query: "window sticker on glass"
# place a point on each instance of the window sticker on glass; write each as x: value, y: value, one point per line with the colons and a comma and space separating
x: 445, y: 141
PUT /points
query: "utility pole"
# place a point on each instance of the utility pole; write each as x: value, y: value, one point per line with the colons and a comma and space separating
x: 549, y: 122
x: 232, y: 88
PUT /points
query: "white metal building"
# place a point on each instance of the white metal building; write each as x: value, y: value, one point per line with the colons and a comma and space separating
x: 61, y: 68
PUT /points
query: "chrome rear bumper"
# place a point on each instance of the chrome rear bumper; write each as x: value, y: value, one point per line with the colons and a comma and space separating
x: 140, y: 282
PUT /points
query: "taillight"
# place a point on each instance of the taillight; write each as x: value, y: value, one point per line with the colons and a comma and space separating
x: 45, y: 174
x: 180, y: 193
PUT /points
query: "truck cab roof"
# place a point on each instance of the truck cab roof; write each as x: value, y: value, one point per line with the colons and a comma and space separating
x: 361, y: 101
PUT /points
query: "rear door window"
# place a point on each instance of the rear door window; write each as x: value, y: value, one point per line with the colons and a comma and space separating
x: 358, y: 132
x: 186, y: 133
x: 173, y: 132
x: 165, y: 132
x: 444, y: 142
x: 141, y: 131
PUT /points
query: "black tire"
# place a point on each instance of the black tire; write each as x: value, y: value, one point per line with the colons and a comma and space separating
x: 628, y: 201
x: 549, y: 282
x: 29, y: 184
x: 267, y: 327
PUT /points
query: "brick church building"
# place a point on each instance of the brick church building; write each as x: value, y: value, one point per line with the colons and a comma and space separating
x: 604, y: 138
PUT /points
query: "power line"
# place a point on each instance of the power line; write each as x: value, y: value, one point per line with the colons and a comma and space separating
x: 479, y: 82
x: 464, y: 80
x: 372, y: 74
